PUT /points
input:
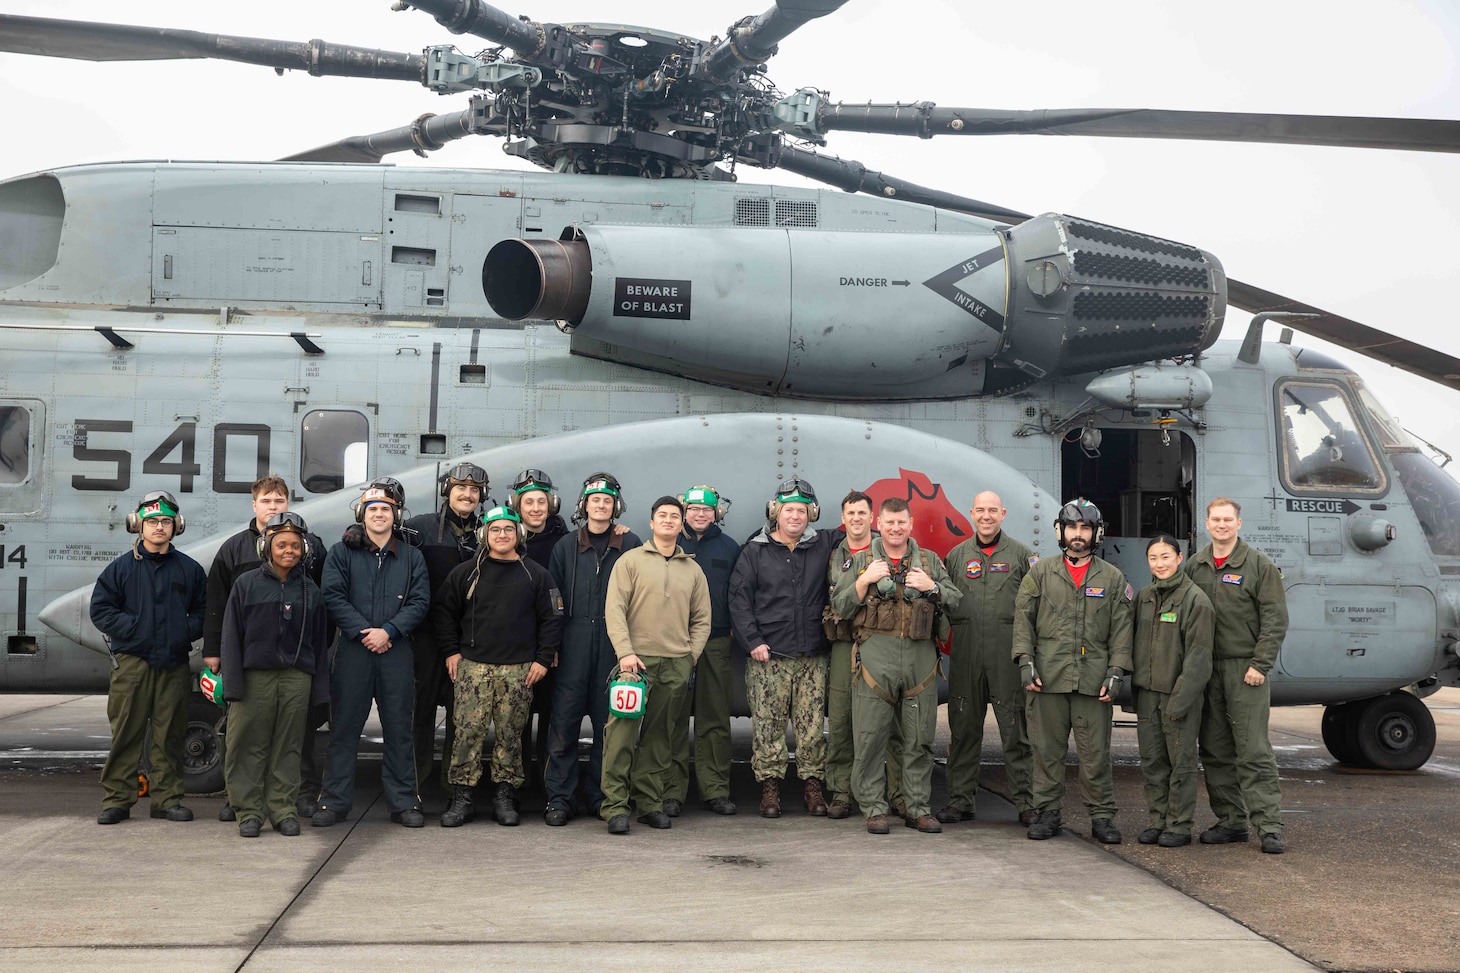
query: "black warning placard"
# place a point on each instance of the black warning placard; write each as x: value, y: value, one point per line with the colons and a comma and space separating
x: 648, y: 297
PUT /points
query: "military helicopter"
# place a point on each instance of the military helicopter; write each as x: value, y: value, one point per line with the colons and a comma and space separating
x: 189, y: 326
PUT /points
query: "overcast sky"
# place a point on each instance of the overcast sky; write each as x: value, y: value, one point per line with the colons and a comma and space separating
x: 1371, y: 235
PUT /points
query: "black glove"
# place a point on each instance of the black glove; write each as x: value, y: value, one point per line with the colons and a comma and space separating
x: 1028, y: 676
x: 354, y: 538
x: 1113, y: 677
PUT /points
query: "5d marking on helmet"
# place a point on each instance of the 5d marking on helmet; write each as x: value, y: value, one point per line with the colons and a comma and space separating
x: 283, y: 522
x: 158, y: 503
x: 794, y: 490
x: 704, y: 495
x: 528, y: 481
x: 599, y: 483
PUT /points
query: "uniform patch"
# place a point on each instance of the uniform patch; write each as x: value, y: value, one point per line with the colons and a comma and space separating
x: 847, y: 564
x: 1094, y: 592
x: 556, y: 597
x: 1130, y: 593
x: 999, y: 567
x: 973, y: 569
x: 1033, y: 560
x: 1168, y: 616
x: 1231, y: 579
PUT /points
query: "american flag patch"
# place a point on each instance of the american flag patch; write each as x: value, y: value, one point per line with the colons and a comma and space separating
x: 1130, y: 593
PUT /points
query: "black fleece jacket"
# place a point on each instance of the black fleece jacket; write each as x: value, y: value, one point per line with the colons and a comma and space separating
x: 271, y: 623
x: 512, y: 615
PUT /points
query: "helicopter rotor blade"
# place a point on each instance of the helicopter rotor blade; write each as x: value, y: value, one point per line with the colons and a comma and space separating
x: 1379, y: 345
x: 485, y: 21
x: 924, y: 119
x: 854, y: 177
x: 91, y: 41
x: 753, y: 40
x: 426, y: 134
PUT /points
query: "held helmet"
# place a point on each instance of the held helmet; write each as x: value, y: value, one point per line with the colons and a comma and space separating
x: 210, y: 684
x: 387, y: 490
x: 507, y: 515
x: 158, y: 503
x: 529, y: 480
x: 599, y: 483
x: 1080, y: 511
x: 283, y: 522
x: 703, y: 495
x: 465, y: 474
x: 794, y: 490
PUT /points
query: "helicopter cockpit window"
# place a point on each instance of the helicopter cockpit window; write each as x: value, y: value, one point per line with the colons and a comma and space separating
x: 14, y: 444
x: 1435, y: 496
x: 1324, y: 448
x: 1385, y: 426
x: 332, y: 449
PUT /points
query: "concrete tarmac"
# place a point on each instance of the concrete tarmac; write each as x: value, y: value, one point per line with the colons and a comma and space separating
x: 719, y: 893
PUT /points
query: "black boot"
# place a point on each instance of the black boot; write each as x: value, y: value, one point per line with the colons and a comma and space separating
x: 460, y: 810
x: 504, y: 806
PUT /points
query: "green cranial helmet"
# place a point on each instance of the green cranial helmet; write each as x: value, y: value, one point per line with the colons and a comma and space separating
x: 500, y: 513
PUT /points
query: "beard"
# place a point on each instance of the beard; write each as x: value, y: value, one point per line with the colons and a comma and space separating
x: 1078, y: 545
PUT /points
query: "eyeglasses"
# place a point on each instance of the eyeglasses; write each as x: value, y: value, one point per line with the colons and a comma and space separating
x: 499, y: 531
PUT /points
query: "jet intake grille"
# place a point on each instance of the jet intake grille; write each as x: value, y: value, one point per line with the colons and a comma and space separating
x: 1139, y: 270
x: 796, y: 212
x: 752, y: 212
x: 1138, y: 308
x: 1098, y: 233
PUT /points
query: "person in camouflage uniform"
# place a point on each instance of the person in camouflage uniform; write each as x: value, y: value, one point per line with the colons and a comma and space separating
x: 894, y: 594
x: 777, y: 596
x: 498, y: 621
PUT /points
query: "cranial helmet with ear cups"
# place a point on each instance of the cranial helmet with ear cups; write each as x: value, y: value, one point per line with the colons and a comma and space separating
x: 283, y: 522
x: 1080, y: 511
x: 529, y: 480
x: 495, y: 515
x: 599, y: 483
x: 794, y: 490
x: 158, y: 503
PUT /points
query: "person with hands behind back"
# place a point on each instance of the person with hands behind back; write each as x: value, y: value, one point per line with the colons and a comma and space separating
x: 1172, y: 654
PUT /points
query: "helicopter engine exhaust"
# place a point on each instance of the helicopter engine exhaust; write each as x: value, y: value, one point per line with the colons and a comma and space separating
x: 865, y: 315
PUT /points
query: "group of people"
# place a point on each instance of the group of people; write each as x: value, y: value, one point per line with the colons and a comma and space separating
x: 503, y: 612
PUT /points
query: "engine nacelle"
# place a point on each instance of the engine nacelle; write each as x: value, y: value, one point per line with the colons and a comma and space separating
x: 849, y: 315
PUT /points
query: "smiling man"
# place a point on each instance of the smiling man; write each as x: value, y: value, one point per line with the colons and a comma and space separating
x: 988, y: 568
x: 149, y: 603
x: 1251, y: 608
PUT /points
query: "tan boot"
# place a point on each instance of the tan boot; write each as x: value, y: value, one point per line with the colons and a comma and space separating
x: 815, y: 800
x: 770, y: 798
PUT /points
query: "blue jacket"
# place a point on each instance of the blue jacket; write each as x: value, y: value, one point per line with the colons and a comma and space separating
x: 582, y: 578
x: 366, y: 587
x: 151, y: 605
x: 715, y: 553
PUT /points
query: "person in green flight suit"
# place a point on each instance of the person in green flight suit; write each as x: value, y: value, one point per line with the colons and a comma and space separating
x: 1172, y: 654
x: 1072, y: 641
x: 988, y: 568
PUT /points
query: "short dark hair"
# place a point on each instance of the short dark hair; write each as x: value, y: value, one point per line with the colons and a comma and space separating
x: 270, y: 483
x: 894, y: 505
x: 856, y: 496
x: 666, y: 501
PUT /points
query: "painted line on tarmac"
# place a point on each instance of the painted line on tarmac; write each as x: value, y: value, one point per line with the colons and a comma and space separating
x: 308, y: 882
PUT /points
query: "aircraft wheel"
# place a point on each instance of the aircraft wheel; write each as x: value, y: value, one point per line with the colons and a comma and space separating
x: 1395, y: 732
x: 1340, y: 733
x: 203, y: 747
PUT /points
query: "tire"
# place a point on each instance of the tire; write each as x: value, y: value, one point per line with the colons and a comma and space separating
x: 1395, y: 732
x: 203, y: 747
x: 1340, y: 733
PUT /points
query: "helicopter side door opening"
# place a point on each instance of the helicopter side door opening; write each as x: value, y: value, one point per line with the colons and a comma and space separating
x: 1141, y: 485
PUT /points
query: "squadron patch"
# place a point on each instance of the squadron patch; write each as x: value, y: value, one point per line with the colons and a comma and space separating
x: 1231, y: 579
x: 1168, y: 616
x: 973, y: 569
x: 847, y: 564
x: 1094, y: 592
x: 999, y: 567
